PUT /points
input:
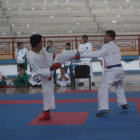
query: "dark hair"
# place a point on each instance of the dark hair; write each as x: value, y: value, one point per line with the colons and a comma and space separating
x: 50, y: 41
x: 68, y: 44
x: 35, y: 39
x: 111, y: 33
x: 21, y: 66
x: 85, y: 36
x: 62, y: 68
x: 19, y: 43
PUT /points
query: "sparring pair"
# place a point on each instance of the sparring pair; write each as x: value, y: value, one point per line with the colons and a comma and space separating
x: 44, y: 63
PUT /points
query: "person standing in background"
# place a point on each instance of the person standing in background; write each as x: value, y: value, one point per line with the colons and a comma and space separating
x: 51, y: 49
x: 68, y: 64
x: 21, y: 54
x: 83, y: 48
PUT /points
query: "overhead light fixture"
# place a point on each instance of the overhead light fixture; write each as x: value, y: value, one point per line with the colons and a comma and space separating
x: 51, y: 17
x: 13, y: 25
x: 18, y: 33
x: 45, y: 1
x: 127, y: 1
x: 4, y: 33
x: 77, y: 23
x: 118, y: 16
x: 28, y: 25
x: 20, y: 8
x: 107, y: 8
x: 56, y: 2
x: 114, y: 21
x: 67, y: 1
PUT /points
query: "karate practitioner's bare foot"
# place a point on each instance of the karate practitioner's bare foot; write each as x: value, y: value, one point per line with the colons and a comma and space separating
x: 46, y: 116
x: 93, y: 83
x: 81, y: 84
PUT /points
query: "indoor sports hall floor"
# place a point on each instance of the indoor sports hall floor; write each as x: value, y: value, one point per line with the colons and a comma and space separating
x: 74, y: 117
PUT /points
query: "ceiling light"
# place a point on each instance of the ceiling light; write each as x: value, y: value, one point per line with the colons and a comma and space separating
x: 18, y: 33
x: 114, y: 21
x: 28, y: 25
x: 4, y: 33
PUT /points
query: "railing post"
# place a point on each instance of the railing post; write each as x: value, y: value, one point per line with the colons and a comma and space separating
x: 13, y: 48
x: 76, y: 42
x: 44, y: 42
x: 139, y: 45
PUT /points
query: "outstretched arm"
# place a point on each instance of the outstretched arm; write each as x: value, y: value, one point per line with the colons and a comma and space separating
x: 66, y: 56
x: 99, y: 53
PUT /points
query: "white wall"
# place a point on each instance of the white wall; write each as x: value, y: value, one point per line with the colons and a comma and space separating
x: 11, y: 70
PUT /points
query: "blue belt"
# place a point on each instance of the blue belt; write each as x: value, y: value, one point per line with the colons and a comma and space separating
x: 118, y: 65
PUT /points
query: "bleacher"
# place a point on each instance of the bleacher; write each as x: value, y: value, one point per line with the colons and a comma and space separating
x: 55, y: 17
x: 21, y: 18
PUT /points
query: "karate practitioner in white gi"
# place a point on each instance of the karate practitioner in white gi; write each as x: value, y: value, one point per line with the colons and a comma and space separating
x: 21, y: 54
x: 84, y: 48
x: 44, y: 63
x: 113, y: 74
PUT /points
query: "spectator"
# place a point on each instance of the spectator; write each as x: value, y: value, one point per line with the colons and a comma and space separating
x: 68, y: 64
x: 22, y: 79
x: 50, y: 48
x: 83, y: 48
x: 20, y: 54
x: 63, y: 78
x: 3, y: 78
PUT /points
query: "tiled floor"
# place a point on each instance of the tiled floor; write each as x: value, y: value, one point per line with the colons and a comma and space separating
x: 131, y: 84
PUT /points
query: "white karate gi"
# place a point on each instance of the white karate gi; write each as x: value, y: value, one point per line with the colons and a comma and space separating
x: 112, y: 56
x: 103, y: 64
x: 68, y: 63
x: 83, y: 49
x: 63, y: 83
x: 40, y: 64
x: 20, y: 54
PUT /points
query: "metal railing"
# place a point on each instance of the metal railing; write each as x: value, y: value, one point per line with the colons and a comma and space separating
x: 129, y: 44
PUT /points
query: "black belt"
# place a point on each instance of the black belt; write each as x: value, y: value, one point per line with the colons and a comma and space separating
x: 118, y: 65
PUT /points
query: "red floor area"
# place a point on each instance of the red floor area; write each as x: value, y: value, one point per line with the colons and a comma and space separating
x: 62, y: 118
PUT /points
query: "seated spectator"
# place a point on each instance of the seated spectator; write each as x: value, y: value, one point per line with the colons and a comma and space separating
x: 63, y: 78
x: 22, y: 79
x: 3, y: 78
